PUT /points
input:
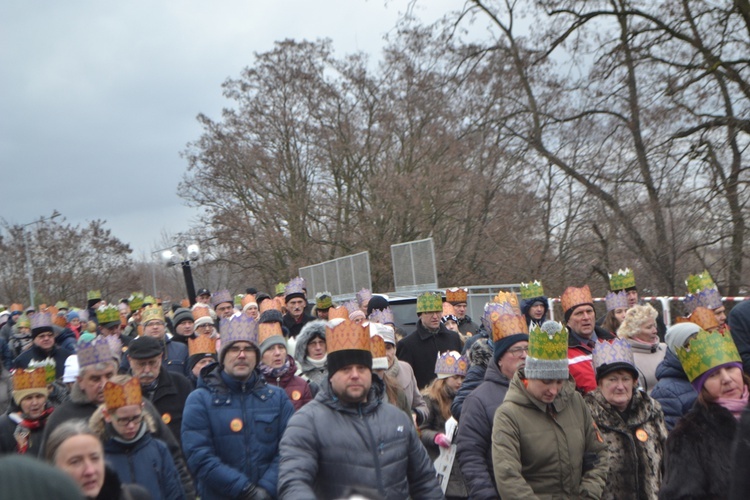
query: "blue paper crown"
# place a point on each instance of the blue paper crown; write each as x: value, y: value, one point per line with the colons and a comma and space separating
x: 295, y: 286
x: 709, y: 298
x: 618, y: 351
x: 220, y: 297
x: 94, y: 352
x: 239, y: 327
x: 41, y: 320
x: 451, y: 363
x: 382, y: 316
x: 616, y: 300
x: 363, y: 295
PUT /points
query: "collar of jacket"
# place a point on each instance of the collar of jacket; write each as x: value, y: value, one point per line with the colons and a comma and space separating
x: 425, y: 334
x: 464, y: 320
x: 518, y: 393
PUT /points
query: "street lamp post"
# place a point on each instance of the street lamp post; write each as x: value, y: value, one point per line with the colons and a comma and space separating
x: 29, y: 267
x: 174, y: 258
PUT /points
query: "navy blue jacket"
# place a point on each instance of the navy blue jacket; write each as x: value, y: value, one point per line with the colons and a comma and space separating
x: 673, y: 390
x: 231, y: 432
x: 34, y: 353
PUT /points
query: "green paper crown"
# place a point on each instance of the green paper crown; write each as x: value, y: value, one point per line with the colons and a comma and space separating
x: 280, y: 287
x: 135, y: 301
x: 622, y: 279
x: 549, y: 343
x: 94, y: 295
x: 697, y: 282
x: 531, y: 290
x: 107, y: 314
x: 238, y: 300
x: 429, y: 302
x: 24, y: 321
x: 148, y: 300
x: 62, y: 304
x: 705, y: 351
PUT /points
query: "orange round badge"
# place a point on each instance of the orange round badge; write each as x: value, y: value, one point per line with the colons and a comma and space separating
x: 641, y: 435
x: 235, y: 425
x: 166, y: 418
x: 296, y: 395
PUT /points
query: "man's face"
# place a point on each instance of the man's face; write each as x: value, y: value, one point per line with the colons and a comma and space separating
x: 430, y: 320
x: 390, y: 353
x: 316, y: 348
x: 116, y: 330
x: 240, y: 360
x: 352, y: 383
x: 147, y: 370
x: 203, y: 299
x: 224, y: 310
x: 155, y: 328
x: 200, y: 364
x: 322, y: 313
x: 544, y: 390
x: 632, y: 297
x: 45, y: 341
x: 536, y: 311
x: 721, y: 315
x: 460, y: 309
x: 513, y: 359
x: 296, y: 307
x: 92, y: 382
x: 185, y: 328
x: 582, y: 321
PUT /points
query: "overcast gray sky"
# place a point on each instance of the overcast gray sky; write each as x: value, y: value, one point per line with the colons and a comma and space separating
x: 97, y: 99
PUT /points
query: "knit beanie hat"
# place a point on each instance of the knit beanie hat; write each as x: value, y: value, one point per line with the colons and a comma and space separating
x: 678, y: 334
x: 72, y: 315
x: 23, y: 477
x: 180, y: 315
x: 377, y: 302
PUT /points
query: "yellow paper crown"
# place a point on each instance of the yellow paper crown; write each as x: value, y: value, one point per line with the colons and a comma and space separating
x: 347, y: 335
x: 456, y: 295
x: 509, y: 298
x: 94, y: 295
x: 573, y: 296
x: 504, y: 319
x: 119, y: 395
x: 152, y: 313
x: 107, y: 314
x: 705, y: 351
x: 202, y: 344
x: 30, y: 379
x: 697, y: 282
x: 532, y: 290
x: 429, y: 302
x: 622, y: 279
x: 268, y: 330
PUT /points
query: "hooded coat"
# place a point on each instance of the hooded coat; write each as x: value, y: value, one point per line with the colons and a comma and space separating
x: 296, y: 388
x: 673, y: 391
x: 536, y: 455
x: 635, y: 445
x: 526, y: 306
x: 331, y: 448
x: 231, y: 432
x: 421, y: 348
x: 316, y: 373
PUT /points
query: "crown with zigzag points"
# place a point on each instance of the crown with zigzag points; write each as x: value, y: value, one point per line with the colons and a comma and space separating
x: 622, y: 279
x: 705, y: 351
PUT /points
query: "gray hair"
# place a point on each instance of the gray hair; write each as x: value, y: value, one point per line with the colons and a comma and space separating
x: 62, y: 433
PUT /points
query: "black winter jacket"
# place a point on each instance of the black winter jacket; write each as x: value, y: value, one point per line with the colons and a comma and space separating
x: 172, y: 390
x: 421, y: 348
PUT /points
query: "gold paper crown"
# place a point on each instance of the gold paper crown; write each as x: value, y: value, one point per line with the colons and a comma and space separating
x: 152, y: 313
x: 23, y: 321
x: 148, y: 300
x: 705, y: 318
x: 549, y: 343
x: 248, y: 299
x: 347, y: 335
x: 268, y: 330
x: 30, y: 379
x: 705, y: 351
x: 185, y: 303
x: 200, y: 312
x: 119, y: 395
x: 377, y: 346
x: 135, y: 301
x: 107, y: 314
x: 457, y: 295
x: 94, y: 295
x: 16, y: 307
x: 532, y: 290
x: 338, y: 312
x: 448, y: 309
x: 267, y: 304
x: 622, y: 279
x: 280, y: 287
x: 429, y: 302
x: 697, y: 282
x: 509, y: 298
x: 505, y: 319
x: 202, y: 344
x: 573, y: 296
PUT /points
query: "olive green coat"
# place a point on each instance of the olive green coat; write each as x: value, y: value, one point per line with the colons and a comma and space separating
x: 536, y: 455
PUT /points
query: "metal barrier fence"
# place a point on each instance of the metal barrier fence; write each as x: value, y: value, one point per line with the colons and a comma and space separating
x: 414, y: 265
x: 343, y: 276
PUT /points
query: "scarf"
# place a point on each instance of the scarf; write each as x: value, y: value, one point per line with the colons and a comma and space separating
x: 24, y: 428
x: 270, y: 372
x: 116, y: 437
x: 317, y: 363
x: 735, y: 406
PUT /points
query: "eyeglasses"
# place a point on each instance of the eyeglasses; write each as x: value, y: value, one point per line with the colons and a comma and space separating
x: 204, y: 326
x: 47, y: 335
x: 236, y: 349
x: 125, y: 421
x: 516, y: 351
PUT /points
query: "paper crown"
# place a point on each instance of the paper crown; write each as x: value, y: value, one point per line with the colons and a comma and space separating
x: 429, y: 302
x: 448, y: 309
x: 296, y: 286
x: 705, y: 318
x: 269, y: 304
x: 705, y: 351
x: 363, y: 296
x: 202, y: 344
x: 338, y: 312
x: 200, y: 312
x: 280, y: 287
x: 377, y: 346
x: 573, y: 297
x: 152, y: 313
x: 618, y: 351
x: 456, y: 295
x: 15, y: 307
x: 239, y: 327
x: 616, y: 300
x: 62, y: 304
x: 347, y: 335
x: 507, y: 298
x: 702, y: 292
x: 107, y: 314
x: 238, y: 300
x: 24, y: 380
x: 94, y: 295
x: 382, y: 316
x: 185, y: 303
x: 268, y: 330
x: 149, y: 300
x: 115, y: 345
x: 248, y: 300
x: 697, y: 282
x: 23, y: 321
x: 504, y: 319
x: 119, y: 395
x: 323, y: 300
x: 135, y: 301
x: 41, y: 321
x: 548, y: 352
x: 532, y: 290
x: 451, y: 363
x: 221, y: 296
x: 48, y: 365
x: 94, y: 352
x: 351, y: 306
x: 622, y: 279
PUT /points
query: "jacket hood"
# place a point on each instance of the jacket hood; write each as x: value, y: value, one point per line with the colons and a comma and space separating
x: 670, y: 367
x: 374, y: 398
x: 527, y: 303
x: 309, y: 331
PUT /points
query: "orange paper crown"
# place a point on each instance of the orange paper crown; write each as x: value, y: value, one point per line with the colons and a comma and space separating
x: 200, y: 312
x: 507, y: 297
x: 456, y: 295
x: 268, y: 304
x: 448, y: 309
x: 119, y: 395
x: 202, y: 344
x: 705, y: 318
x: 338, y: 312
x: 573, y: 297
x: 29, y: 379
x: 185, y: 303
x: 248, y: 299
x: 377, y: 346
x: 347, y: 335
x: 268, y: 330
x: 16, y: 307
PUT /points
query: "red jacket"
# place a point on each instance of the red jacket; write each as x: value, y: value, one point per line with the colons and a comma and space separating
x: 295, y: 387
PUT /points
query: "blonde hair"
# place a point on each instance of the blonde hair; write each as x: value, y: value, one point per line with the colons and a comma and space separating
x: 635, y: 318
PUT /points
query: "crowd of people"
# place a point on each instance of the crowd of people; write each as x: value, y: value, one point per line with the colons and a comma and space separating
x: 260, y: 396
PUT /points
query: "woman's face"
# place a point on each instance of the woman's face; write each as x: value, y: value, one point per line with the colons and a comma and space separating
x: 617, y: 388
x: 620, y: 314
x: 82, y: 458
x: 252, y: 312
x: 726, y: 382
x: 32, y: 406
x: 451, y: 325
x: 454, y: 382
x: 648, y: 333
x: 316, y: 348
x: 275, y: 356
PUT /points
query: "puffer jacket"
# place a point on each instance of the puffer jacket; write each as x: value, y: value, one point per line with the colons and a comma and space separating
x: 330, y: 448
x: 231, y: 432
x: 536, y: 455
x: 296, y: 388
x: 480, y: 355
x: 146, y: 461
x: 433, y: 426
x: 635, y: 446
x: 316, y: 376
x: 474, y: 440
x: 673, y: 391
